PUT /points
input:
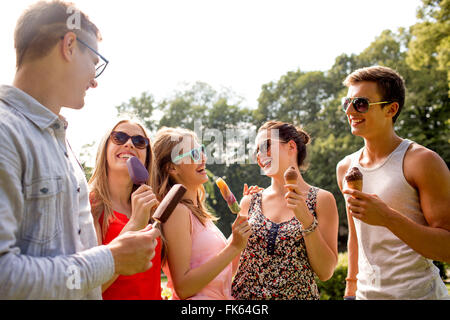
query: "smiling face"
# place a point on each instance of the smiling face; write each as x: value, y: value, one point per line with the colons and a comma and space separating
x: 274, y: 155
x: 79, y: 74
x: 187, y: 171
x: 117, y: 155
x: 377, y: 120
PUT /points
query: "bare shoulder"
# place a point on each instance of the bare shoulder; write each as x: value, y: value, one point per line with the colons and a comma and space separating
x: 326, y: 203
x: 422, y: 155
x: 421, y: 164
x: 179, y: 218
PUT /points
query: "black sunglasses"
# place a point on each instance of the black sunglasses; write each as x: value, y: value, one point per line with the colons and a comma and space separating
x: 120, y: 138
x: 361, y: 105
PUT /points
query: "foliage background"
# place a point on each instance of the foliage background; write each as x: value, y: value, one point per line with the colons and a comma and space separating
x: 420, y: 53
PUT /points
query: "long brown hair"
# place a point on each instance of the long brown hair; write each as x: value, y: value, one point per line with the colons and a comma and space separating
x: 99, y: 195
x: 165, y: 141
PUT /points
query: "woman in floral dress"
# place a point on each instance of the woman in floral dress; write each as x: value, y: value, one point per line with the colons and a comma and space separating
x: 294, y: 226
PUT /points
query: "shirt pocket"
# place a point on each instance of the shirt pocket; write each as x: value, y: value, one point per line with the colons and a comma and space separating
x: 43, y: 202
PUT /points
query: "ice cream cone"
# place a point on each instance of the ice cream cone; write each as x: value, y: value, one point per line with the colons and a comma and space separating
x: 354, y: 179
x: 290, y: 176
x: 355, y: 185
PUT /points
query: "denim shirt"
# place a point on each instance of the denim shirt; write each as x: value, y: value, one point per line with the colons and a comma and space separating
x: 48, y: 244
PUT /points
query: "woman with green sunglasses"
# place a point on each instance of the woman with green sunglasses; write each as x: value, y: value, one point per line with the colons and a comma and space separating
x: 195, y: 154
x: 196, y: 257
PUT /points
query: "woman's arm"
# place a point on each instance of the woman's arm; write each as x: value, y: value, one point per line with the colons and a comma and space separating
x: 321, y: 244
x: 245, y: 206
x: 187, y: 282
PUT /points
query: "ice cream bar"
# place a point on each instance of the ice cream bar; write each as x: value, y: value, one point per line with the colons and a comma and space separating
x: 354, y: 179
x: 228, y: 196
x: 168, y: 204
x: 137, y: 171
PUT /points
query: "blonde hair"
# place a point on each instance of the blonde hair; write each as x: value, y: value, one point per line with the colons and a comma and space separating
x: 99, y: 195
x: 165, y: 141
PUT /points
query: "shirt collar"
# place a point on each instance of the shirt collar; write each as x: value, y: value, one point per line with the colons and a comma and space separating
x: 30, y: 107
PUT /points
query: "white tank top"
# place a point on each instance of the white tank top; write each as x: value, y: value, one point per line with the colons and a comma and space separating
x: 388, y: 267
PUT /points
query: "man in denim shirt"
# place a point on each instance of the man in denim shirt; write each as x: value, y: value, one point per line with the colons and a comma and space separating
x: 48, y: 245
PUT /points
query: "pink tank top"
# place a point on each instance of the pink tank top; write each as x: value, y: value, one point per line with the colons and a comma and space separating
x: 207, y: 241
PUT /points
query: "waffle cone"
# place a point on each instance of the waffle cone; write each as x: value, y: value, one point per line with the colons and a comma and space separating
x: 291, y: 181
x: 355, y: 184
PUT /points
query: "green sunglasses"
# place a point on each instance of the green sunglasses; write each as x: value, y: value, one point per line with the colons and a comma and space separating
x: 195, y: 154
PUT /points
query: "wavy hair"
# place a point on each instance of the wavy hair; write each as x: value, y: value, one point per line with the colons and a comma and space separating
x: 165, y: 141
x: 99, y: 194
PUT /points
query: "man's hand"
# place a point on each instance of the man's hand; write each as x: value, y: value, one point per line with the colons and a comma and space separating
x: 134, y: 250
x: 368, y: 208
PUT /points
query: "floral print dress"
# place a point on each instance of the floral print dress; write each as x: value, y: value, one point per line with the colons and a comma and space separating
x: 275, y: 265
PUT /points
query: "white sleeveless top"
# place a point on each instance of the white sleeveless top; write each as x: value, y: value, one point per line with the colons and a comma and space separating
x: 388, y: 267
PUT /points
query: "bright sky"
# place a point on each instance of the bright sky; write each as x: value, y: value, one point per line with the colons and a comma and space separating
x: 156, y: 46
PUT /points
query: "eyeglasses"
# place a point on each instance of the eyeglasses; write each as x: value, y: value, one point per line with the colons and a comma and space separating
x: 361, y: 105
x: 98, y: 70
x: 195, y: 154
x: 120, y: 138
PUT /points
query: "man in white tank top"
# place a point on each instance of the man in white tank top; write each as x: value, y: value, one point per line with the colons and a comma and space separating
x: 400, y: 221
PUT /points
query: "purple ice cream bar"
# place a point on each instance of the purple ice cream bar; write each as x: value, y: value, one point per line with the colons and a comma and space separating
x: 138, y: 173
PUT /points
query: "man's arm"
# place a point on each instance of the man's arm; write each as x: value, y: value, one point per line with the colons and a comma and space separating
x: 29, y: 277
x: 428, y: 173
x: 352, y: 241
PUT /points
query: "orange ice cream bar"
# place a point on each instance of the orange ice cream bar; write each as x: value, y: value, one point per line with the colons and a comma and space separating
x: 228, y: 196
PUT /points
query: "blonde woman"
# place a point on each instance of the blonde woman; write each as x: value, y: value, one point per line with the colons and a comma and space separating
x: 119, y: 206
x: 198, y: 259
